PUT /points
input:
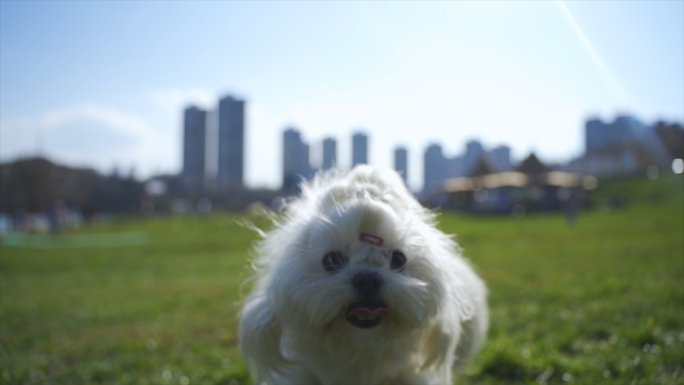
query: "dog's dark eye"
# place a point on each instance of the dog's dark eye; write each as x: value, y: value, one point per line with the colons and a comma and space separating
x: 398, y: 260
x: 334, y: 261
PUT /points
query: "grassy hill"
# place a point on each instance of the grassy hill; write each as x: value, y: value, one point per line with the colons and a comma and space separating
x: 600, y: 301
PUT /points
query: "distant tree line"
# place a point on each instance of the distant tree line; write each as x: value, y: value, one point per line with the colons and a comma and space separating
x: 36, y: 184
x: 672, y: 135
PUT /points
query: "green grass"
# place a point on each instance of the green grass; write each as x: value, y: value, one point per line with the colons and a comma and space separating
x: 598, y: 302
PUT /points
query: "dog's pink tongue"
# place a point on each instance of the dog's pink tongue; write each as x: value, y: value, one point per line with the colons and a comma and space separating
x: 367, y: 313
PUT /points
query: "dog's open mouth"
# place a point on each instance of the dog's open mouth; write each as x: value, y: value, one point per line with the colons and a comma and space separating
x: 366, y: 314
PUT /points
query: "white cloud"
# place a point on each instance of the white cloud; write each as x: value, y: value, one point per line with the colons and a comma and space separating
x: 100, y: 136
x: 87, y: 134
x: 117, y: 120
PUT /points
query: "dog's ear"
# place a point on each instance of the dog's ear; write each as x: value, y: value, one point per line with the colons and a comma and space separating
x: 260, y: 335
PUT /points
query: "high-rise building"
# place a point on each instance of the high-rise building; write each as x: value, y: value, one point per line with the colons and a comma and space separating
x: 436, y: 168
x: 231, y: 142
x: 500, y: 158
x: 400, y: 162
x: 295, y: 160
x: 359, y: 149
x: 474, y: 152
x: 624, y: 146
x: 624, y: 130
x: 329, y: 153
x: 454, y: 167
x: 194, y: 148
x: 600, y: 135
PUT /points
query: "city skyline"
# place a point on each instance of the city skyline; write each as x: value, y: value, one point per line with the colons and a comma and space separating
x: 625, y: 145
x: 521, y: 73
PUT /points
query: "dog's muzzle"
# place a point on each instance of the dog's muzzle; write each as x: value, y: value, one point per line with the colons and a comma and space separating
x: 368, y: 312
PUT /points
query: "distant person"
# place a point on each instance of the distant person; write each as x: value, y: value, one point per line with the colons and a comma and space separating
x: 19, y: 220
x: 89, y: 213
x: 56, y: 217
x: 571, y: 211
x: 53, y: 219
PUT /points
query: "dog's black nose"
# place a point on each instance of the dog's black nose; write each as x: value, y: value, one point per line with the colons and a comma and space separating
x: 367, y: 283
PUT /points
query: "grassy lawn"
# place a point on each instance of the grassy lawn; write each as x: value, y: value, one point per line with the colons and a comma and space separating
x: 598, y: 302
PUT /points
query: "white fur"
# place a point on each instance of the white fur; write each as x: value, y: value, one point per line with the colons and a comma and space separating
x: 294, y: 328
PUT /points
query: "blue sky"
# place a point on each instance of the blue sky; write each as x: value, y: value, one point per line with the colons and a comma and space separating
x: 104, y: 83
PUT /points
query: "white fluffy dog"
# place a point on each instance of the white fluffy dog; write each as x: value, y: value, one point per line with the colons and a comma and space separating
x: 356, y: 285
